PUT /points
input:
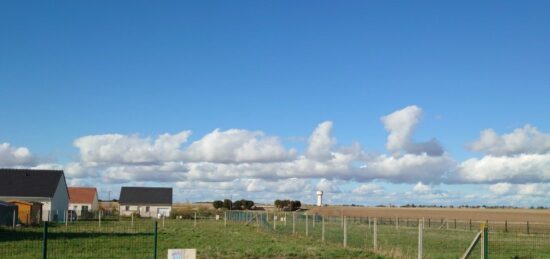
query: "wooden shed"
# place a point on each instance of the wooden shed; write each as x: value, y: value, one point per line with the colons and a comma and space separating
x: 7, y: 211
x: 29, y: 212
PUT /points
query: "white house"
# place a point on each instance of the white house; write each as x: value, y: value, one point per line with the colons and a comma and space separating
x: 145, y: 201
x: 45, y: 186
x: 83, y: 199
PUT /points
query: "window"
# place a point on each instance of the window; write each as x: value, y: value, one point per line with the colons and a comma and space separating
x: 84, y: 208
x: 147, y: 209
x: 127, y: 208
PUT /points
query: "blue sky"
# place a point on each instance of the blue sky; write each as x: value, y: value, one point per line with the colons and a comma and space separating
x: 89, y: 68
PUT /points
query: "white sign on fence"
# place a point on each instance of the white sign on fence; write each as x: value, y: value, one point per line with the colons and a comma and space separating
x: 182, y: 253
x: 217, y: 217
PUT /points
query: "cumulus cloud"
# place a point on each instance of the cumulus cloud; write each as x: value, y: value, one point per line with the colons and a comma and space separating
x: 400, y: 125
x: 238, y: 146
x: 408, y: 168
x: 501, y: 188
x: 520, y: 191
x: 321, y: 142
x: 422, y: 188
x: 368, y: 189
x: 522, y: 156
x: 130, y: 149
x: 522, y: 168
x: 15, y: 156
x: 244, y: 161
x: 328, y: 186
x: 526, y: 140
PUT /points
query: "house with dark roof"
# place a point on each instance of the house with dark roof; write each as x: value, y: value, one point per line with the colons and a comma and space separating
x: 145, y: 201
x: 44, y: 186
x: 83, y: 199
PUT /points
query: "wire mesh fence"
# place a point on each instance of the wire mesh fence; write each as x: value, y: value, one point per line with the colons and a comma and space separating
x: 399, y: 237
x: 111, y: 236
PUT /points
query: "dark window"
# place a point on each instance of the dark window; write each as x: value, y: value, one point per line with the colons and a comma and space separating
x: 127, y: 208
x: 84, y: 208
x: 147, y: 209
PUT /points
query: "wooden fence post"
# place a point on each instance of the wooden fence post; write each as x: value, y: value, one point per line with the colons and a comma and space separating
x: 293, y: 222
x: 420, y: 240
x: 375, y: 235
x: 397, y: 223
x: 307, y: 225
x: 323, y: 229
x: 345, y: 232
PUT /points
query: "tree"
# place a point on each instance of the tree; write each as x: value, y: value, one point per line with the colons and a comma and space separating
x: 227, y: 204
x: 278, y: 204
x: 294, y: 205
x: 217, y: 204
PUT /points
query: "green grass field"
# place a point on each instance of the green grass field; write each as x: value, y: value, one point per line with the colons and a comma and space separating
x: 260, y: 239
x: 210, y: 238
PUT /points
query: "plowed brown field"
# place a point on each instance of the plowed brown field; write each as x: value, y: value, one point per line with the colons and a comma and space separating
x: 519, y: 215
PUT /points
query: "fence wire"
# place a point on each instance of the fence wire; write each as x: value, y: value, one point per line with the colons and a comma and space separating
x: 127, y: 237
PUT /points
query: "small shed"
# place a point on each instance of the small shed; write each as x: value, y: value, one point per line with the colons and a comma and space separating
x: 7, y: 213
x: 29, y: 212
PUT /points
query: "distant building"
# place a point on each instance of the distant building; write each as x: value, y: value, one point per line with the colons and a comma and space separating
x: 319, y: 198
x: 45, y: 186
x: 83, y: 199
x: 145, y: 201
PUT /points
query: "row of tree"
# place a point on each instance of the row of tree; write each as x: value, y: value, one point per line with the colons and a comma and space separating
x: 236, y: 205
x: 287, y: 205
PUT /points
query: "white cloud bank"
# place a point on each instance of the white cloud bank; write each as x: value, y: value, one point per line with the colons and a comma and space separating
x: 522, y: 156
x: 15, y: 156
x: 254, y: 162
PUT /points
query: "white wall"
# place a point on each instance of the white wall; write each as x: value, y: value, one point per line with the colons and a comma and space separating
x: 141, y: 210
x: 60, y: 201
x: 78, y: 207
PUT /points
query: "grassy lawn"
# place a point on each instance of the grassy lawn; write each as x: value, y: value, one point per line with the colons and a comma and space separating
x: 121, y: 239
x: 210, y: 238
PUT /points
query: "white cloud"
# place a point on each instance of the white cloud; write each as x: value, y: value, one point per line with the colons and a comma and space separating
x: 520, y: 191
x: 422, y: 188
x: 368, y: 189
x: 15, y: 156
x: 252, y: 164
x: 124, y: 149
x: 409, y: 168
x: 328, y: 186
x: 238, y: 146
x: 321, y: 142
x: 522, y: 168
x: 400, y: 125
x: 526, y: 140
x: 501, y: 188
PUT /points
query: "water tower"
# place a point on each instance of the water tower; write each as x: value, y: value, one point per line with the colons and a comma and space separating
x: 319, y: 198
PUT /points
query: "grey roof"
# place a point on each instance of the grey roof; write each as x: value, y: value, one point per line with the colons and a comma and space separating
x: 7, y: 204
x: 146, y: 195
x: 29, y: 183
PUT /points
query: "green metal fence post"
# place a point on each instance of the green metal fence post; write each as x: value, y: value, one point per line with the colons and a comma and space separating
x: 45, y: 241
x: 155, y: 246
x: 485, y: 244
